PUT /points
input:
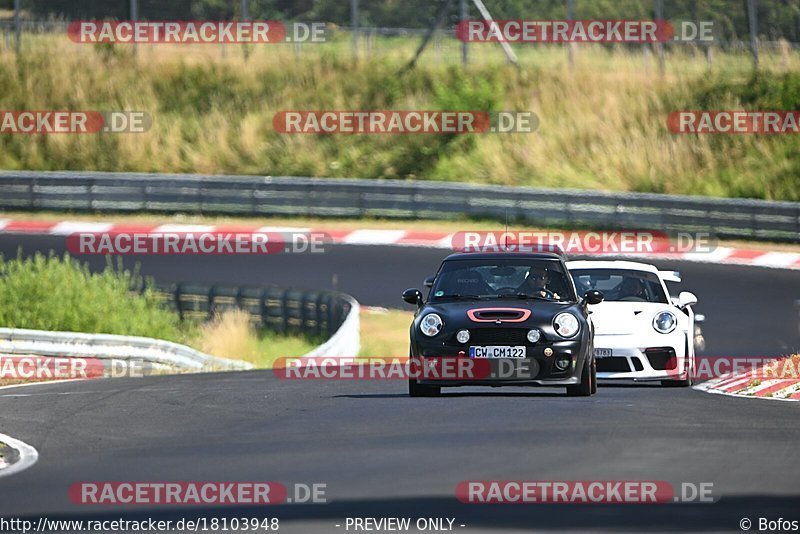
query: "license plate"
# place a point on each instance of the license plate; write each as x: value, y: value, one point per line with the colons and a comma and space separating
x: 497, y: 351
x: 602, y: 353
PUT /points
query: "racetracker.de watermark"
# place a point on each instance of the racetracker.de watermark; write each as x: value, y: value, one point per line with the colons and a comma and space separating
x: 584, y: 242
x: 753, y: 367
x: 734, y: 122
x: 197, y: 243
x: 453, y: 368
x: 584, y: 31
x: 581, y: 492
x: 196, y: 493
x: 196, y: 32
x: 73, y: 122
x: 43, y: 368
x: 403, y: 122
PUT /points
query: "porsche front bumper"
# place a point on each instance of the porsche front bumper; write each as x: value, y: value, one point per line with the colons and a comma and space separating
x: 642, y: 358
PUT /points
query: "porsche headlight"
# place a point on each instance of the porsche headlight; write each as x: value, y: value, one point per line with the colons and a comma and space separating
x: 566, y: 324
x: 431, y: 324
x: 665, y: 322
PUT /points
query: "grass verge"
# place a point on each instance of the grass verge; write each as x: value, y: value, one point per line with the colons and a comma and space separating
x: 602, y: 124
x: 231, y: 335
x: 384, y: 333
x: 61, y: 294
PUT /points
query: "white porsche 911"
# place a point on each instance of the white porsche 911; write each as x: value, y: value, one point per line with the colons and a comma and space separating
x: 640, y: 332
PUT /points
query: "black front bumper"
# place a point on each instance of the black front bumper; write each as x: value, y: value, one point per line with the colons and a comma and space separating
x: 537, y: 369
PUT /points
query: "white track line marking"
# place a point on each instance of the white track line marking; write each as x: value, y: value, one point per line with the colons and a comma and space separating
x: 27, y: 456
x: 374, y: 237
x: 76, y: 227
x: 183, y: 228
x: 282, y: 230
x: 777, y: 259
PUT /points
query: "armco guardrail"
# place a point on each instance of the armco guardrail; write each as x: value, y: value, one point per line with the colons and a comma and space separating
x: 346, y: 341
x: 334, y: 316
x: 270, y: 196
x: 107, y: 346
x: 319, y: 314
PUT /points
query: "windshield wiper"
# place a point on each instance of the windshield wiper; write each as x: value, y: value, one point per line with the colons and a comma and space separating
x: 459, y: 296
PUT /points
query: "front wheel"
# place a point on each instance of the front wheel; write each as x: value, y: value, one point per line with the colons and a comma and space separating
x: 586, y: 386
x: 415, y: 389
x: 686, y: 382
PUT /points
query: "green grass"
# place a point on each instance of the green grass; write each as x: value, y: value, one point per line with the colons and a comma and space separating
x: 61, y: 294
x: 602, y: 126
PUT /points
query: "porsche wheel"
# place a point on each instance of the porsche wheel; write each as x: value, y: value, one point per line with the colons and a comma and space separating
x: 686, y: 382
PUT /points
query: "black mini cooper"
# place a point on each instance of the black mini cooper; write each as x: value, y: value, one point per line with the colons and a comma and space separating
x: 502, y: 318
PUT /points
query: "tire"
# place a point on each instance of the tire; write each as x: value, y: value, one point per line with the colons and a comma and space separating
x: 594, y: 376
x: 686, y: 382
x: 416, y: 389
x: 584, y: 389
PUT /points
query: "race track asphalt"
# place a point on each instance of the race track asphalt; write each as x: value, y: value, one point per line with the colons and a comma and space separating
x: 381, y: 453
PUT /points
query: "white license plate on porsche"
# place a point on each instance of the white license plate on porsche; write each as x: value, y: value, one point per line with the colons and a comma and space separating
x: 498, y: 351
x: 603, y: 353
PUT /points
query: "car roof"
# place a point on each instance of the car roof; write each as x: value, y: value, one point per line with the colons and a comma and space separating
x: 504, y: 255
x: 616, y: 264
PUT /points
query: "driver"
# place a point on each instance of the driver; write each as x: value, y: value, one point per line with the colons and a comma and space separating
x: 536, y: 283
x: 632, y: 288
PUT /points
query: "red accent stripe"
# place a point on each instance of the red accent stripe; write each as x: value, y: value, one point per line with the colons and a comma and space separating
x: 423, y: 238
x: 783, y: 384
x: 336, y: 235
x: 34, y: 227
x: 143, y: 228
x: 745, y: 254
x: 740, y: 386
x: 525, y: 314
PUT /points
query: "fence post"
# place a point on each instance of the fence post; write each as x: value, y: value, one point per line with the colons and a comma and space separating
x: 17, y: 26
x: 659, y: 45
x: 752, y: 19
x: 463, y: 14
x: 245, y: 16
x: 570, y: 47
x: 354, y: 22
x: 134, y: 18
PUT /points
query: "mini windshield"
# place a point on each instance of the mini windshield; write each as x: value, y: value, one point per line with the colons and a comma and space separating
x: 619, y: 285
x: 517, y: 278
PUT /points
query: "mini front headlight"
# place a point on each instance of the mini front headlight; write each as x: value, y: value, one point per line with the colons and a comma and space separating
x: 534, y: 335
x: 665, y: 322
x: 462, y: 336
x: 566, y: 324
x: 431, y: 324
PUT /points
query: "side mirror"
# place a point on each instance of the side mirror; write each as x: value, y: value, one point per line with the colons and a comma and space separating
x: 413, y: 296
x: 593, y: 296
x: 686, y: 298
x: 429, y: 281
